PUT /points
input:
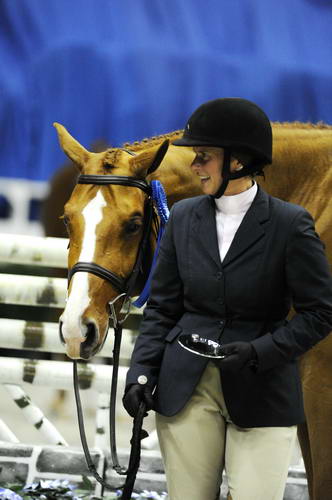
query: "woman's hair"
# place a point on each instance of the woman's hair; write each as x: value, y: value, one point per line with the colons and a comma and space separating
x: 246, y: 158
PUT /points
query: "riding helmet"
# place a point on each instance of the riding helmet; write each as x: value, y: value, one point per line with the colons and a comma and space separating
x: 233, y: 123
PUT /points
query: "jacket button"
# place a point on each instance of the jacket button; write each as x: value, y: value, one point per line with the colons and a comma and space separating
x: 142, y: 379
x: 221, y: 301
x: 219, y: 275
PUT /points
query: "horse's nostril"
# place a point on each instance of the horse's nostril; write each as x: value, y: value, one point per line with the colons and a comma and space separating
x: 91, y: 335
x: 62, y: 339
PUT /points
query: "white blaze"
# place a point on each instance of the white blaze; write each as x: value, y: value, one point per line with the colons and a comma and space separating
x: 79, y: 299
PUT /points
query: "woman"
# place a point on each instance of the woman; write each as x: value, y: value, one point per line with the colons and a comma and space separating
x: 231, y: 265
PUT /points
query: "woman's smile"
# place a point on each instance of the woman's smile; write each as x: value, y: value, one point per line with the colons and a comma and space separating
x: 207, y: 165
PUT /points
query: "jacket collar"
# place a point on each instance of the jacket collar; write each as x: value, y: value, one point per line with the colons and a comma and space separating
x: 250, y: 230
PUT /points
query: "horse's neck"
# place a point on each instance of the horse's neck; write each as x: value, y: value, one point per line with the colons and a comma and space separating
x: 300, y: 172
x: 302, y: 159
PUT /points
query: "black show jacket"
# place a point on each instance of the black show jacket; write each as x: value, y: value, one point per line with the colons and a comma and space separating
x: 275, y: 260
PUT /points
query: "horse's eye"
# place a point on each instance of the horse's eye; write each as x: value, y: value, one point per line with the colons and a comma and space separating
x: 133, y: 226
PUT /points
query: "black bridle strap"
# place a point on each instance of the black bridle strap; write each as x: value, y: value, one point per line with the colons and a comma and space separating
x: 88, y: 458
x: 135, y: 453
x: 123, y: 286
x: 114, y: 384
x: 90, y: 267
x: 119, y: 180
x: 120, y: 284
x: 116, y: 361
x: 142, y: 249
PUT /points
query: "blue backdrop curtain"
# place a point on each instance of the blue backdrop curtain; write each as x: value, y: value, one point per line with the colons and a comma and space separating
x: 121, y: 70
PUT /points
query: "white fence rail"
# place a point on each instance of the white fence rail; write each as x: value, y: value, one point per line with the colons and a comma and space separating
x: 30, y: 336
x: 38, y: 251
x: 44, y: 337
x: 56, y: 374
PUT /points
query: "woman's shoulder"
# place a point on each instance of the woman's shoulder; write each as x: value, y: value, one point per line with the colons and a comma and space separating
x: 287, y: 210
x: 189, y: 204
x: 286, y: 206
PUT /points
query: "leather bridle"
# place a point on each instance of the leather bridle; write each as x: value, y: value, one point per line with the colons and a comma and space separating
x: 121, y: 284
x: 125, y: 287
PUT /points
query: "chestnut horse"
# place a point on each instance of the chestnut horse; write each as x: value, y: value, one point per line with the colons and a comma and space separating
x: 105, y: 224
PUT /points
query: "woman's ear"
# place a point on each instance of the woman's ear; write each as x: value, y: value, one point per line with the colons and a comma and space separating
x: 236, y: 165
x: 148, y: 161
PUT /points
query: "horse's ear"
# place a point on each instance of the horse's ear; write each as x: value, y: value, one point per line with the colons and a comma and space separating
x: 148, y: 161
x: 73, y: 149
x: 159, y: 157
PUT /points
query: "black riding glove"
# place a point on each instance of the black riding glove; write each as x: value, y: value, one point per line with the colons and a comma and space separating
x: 238, y: 355
x: 134, y: 395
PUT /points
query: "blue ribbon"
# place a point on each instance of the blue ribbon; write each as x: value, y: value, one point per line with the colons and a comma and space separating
x: 160, y: 202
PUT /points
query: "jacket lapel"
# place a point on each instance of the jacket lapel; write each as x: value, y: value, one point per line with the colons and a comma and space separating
x: 204, y: 228
x: 251, y: 228
x: 249, y: 232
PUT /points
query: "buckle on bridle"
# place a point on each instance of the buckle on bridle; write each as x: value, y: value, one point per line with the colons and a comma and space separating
x: 125, y: 309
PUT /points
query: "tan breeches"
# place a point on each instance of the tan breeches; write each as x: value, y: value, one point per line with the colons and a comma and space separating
x: 201, y: 441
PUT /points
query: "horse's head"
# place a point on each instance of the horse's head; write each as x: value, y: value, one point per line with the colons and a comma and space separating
x: 106, y: 224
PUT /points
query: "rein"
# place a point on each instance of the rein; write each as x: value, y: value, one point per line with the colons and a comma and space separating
x: 125, y: 287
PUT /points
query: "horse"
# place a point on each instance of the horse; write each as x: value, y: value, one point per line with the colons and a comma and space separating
x: 105, y: 224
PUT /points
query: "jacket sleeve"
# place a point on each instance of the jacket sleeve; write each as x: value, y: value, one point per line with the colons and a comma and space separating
x: 310, y: 284
x: 164, y: 308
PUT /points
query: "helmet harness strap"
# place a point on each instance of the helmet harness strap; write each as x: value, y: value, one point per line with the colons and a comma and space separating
x: 227, y: 175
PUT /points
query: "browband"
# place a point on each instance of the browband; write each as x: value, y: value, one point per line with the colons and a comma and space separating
x: 120, y: 180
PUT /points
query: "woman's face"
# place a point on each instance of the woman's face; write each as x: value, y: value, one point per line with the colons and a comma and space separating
x: 207, y: 165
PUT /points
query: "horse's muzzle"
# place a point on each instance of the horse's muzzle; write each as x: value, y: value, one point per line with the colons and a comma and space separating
x: 90, y: 345
x: 81, y: 347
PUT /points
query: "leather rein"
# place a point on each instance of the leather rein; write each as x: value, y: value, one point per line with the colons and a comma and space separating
x: 125, y: 287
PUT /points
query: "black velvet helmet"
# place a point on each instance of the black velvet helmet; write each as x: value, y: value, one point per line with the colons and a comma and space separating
x: 237, y: 125
x: 232, y: 123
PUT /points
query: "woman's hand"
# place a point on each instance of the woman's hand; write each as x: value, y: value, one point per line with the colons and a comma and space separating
x: 134, y: 395
x: 238, y: 355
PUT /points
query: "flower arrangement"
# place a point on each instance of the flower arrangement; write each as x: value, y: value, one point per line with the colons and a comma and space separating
x: 63, y: 490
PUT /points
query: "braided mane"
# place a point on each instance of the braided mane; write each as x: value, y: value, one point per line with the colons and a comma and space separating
x: 158, y: 139
x: 153, y: 141
x: 301, y: 125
